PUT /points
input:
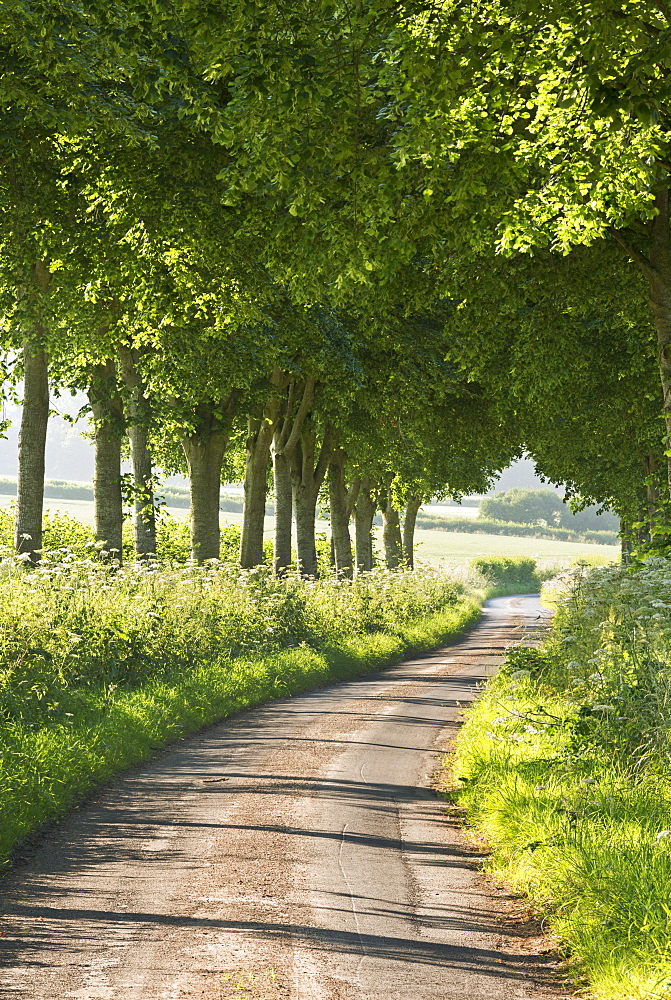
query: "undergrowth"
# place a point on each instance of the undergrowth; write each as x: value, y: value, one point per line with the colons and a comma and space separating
x: 100, y: 665
x: 564, y: 764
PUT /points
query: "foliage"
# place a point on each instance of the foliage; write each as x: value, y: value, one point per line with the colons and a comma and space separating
x: 66, y: 534
x: 502, y: 571
x: 565, y: 764
x: 98, y: 666
x: 61, y: 533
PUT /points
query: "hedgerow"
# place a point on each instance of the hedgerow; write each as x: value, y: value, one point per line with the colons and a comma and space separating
x: 99, y: 665
x: 564, y: 764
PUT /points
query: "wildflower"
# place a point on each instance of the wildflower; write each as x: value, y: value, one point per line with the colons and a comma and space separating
x: 603, y: 708
x: 662, y: 834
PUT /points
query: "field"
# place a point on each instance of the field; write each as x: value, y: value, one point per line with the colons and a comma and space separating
x: 434, y: 547
x: 438, y: 547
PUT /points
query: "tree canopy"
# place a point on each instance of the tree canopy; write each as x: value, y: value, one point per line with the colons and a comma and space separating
x: 389, y: 245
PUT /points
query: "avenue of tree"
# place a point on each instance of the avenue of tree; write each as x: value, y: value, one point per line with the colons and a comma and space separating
x: 363, y: 255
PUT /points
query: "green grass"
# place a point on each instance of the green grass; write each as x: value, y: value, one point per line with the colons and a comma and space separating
x: 99, y: 667
x: 438, y: 547
x: 564, y: 765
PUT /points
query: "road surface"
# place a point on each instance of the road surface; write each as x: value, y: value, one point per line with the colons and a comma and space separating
x: 296, y: 850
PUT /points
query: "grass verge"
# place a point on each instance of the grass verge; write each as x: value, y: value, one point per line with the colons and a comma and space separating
x: 564, y: 765
x: 100, y: 667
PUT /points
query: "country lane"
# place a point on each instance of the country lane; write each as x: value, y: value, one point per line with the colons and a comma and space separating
x: 293, y: 852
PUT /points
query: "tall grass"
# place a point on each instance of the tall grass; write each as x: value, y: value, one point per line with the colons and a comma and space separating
x: 99, y: 665
x: 564, y: 764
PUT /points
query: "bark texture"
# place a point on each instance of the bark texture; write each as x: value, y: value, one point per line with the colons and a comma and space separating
x: 138, y: 417
x: 409, y: 522
x: 204, y: 451
x: 364, y: 512
x: 340, y: 515
x: 107, y: 410
x: 32, y: 442
x: 391, y: 535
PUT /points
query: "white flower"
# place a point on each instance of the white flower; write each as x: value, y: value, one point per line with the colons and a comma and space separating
x: 603, y: 708
x: 662, y: 834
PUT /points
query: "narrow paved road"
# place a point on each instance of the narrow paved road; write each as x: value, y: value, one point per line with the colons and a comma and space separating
x: 297, y: 848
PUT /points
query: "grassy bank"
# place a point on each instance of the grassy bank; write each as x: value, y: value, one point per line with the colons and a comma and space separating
x: 100, y: 667
x: 564, y: 764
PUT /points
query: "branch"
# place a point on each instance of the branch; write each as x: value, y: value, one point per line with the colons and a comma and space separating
x: 325, y: 452
x: 303, y: 410
x: 353, y: 496
x: 638, y: 258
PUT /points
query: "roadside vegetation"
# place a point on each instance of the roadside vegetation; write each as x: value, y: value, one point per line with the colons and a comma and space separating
x: 102, y: 664
x: 564, y: 767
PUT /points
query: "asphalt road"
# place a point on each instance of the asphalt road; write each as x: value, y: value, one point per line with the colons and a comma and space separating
x: 296, y: 851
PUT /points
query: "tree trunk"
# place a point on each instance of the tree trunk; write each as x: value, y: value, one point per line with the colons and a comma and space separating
x: 626, y: 540
x: 283, y: 512
x: 650, y: 468
x: 144, y: 513
x: 204, y: 459
x: 259, y: 439
x: 391, y: 535
x: 305, y: 506
x: 363, y: 522
x: 340, y: 515
x: 409, y: 521
x: 296, y: 442
x: 307, y: 475
x: 204, y: 451
x: 285, y: 443
x: 32, y: 442
x: 109, y: 429
x: 659, y: 277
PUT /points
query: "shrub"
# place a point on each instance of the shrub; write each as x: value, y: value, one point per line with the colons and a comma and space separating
x: 503, y: 571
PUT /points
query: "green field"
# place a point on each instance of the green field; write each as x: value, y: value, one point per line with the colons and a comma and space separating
x: 459, y: 547
x: 434, y: 547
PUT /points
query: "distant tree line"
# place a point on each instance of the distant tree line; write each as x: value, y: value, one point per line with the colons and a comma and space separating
x: 544, y: 508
